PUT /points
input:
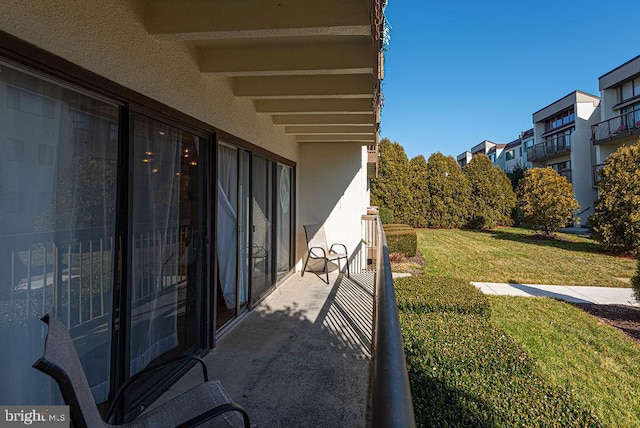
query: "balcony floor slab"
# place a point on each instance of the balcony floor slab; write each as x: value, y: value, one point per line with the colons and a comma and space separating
x: 302, y: 357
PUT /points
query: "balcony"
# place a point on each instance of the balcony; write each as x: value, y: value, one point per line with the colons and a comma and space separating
x: 308, y: 355
x: 620, y: 129
x: 372, y: 161
x: 550, y: 148
x: 566, y: 173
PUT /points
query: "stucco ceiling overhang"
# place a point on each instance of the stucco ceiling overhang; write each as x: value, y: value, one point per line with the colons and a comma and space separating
x: 314, y: 66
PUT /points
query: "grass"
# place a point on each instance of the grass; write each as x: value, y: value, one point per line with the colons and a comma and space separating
x: 516, y: 255
x: 573, y: 350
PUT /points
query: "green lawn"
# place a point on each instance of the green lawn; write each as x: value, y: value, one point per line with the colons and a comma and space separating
x: 572, y: 349
x: 515, y: 255
x: 522, y: 361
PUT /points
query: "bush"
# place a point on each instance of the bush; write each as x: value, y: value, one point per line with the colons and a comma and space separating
x: 546, y: 200
x: 386, y: 215
x: 448, y: 193
x: 396, y: 226
x: 616, y: 221
x: 422, y: 294
x: 402, y: 241
x: 463, y: 371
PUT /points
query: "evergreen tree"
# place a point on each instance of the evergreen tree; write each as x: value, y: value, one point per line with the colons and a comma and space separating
x: 391, y: 188
x: 492, y: 198
x: 448, y: 190
x: 616, y: 221
x: 419, y: 191
x: 546, y: 200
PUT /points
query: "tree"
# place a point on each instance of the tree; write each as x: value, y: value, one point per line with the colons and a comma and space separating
x: 616, y: 221
x: 448, y: 190
x: 390, y: 189
x: 492, y: 198
x: 635, y: 282
x: 546, y: 200
x: 419, y: 191
x: 515, y: 175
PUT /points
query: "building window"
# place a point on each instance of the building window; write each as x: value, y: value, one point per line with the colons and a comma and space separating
x: 29, y: 102
x: 13, y: 150
x: 510, y: 155
x: 629, y: 89
x: 520, y: 151
x: 566, y: 117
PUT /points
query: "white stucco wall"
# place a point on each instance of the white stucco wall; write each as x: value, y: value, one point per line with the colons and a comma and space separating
x: 583, y: 157
x: 106, y: 37
x: 331, y: 192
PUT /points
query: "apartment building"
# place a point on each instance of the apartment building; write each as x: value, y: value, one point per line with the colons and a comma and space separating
x: 464, y: 158
x: 562, y: 141
x: 619, y: 122
x: 515, y: 153
x: 157, y: 163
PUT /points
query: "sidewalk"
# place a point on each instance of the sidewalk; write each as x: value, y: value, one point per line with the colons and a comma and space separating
x: 572, y: 293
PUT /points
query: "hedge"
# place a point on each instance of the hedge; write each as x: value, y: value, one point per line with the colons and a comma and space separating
x: 464, y: 371
x: 402, y: 241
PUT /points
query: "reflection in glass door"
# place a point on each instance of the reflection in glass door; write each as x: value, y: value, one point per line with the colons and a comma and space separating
x: 261, y: 249
x: 166, y: 254
x: 283, y: 210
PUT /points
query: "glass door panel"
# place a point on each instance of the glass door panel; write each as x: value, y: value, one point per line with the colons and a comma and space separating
x: 283, y: 210
x: 227, y: 234
x: 245, y: 221
x: 261, y: 249
x: 167, y: 252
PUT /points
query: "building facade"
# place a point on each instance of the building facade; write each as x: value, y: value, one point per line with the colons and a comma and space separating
x: 157, y: 163
x: 562, y: 141
x: 619, y: 122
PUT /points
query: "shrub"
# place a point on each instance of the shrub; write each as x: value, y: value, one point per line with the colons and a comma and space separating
x: 492, y: 199
x: 439, y: 294
x: 386, y: 215
x: 616, y: 221
x: 404, y: 241
x: 463, y: 371
x: 391, y: 187
x: 546, y: 200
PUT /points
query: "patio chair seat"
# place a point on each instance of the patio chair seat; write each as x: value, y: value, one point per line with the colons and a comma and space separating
x: 205, y: 405
x: 318, y: 249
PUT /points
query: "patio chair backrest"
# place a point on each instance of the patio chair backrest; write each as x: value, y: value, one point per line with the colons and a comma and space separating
x: 315, y: 236
x: 61, y: 362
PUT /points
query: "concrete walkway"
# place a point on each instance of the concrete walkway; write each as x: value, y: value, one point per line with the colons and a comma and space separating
x: 302, y: 357
x: 568, y: 293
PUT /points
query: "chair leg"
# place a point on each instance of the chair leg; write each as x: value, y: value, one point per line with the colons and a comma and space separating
x: 326, y: 270
x: 346, y: 259
x: 305, y: 265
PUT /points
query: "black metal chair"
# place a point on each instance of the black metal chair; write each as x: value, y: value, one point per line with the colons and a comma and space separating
x: 318, y: 249
x: 206, y: 404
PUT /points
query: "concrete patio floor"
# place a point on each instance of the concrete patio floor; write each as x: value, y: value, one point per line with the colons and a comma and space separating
x: 302, y: 358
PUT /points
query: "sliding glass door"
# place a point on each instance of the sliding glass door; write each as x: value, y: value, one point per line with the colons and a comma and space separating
x: 167, y: 252
x: 261, y: 228
x: 284, y: 220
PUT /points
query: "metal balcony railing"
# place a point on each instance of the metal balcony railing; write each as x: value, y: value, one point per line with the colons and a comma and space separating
x: 549, y: 148
x: 617, y: 127
x: 391, y: 404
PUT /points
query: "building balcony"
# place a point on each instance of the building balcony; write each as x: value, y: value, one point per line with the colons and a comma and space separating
x: 372, y: 161
x: 620, y: 129
x: 550, y: 148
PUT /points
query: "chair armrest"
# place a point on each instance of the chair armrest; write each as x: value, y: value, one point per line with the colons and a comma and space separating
x: 150, y: 370
x: 217, y: 411
x: 341, y: 245
x: 324, y: 253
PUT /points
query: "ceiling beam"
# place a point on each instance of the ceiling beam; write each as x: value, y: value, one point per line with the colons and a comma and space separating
x: 323, y: 119
x: 315, y: 106
x: 346, y: 138
x: 202, y: 19
x: 333, y: 86
x: 342, y: 57
x: 328, y: 130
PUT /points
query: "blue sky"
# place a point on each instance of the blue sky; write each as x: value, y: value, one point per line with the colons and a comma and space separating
x: 460, y: 72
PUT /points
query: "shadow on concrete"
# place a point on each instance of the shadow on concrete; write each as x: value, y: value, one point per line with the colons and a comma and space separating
x: 302, y: 357
x: 537, y: 292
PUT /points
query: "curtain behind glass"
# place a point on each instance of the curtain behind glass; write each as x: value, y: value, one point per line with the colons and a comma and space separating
x: 284, y: 220
x: 58, y: 158
x: 159, y: 240
x: 227, y: 226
